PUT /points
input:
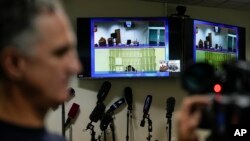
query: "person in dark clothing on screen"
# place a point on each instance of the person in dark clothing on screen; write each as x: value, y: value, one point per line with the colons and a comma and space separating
x: 37, y: 59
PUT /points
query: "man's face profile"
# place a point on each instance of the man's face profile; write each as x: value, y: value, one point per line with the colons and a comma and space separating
x: 48, y: 70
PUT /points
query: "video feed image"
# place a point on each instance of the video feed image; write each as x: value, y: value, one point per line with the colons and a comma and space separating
x: 129, y: 60
x: 129, y: 48
x: 215, y: 43
x: 171, y: 66
x: 127, y: 33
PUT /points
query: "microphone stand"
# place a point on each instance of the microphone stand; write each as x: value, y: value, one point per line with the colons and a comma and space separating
x: 104, y: 132
x: 129, y: 112
x: 63, y: 120
x: 111, y: 125
x: 127, y: 136
x: 91, y: 127
x: 169, y: 127
x: 112, y: 129
x: 70, y: 133
x: 149, y: 125
x: 93, y: 135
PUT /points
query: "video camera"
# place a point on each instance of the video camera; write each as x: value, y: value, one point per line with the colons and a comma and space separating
x: 229, y: 88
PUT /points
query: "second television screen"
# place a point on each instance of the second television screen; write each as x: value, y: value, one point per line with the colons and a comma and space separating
x: 215, y: 43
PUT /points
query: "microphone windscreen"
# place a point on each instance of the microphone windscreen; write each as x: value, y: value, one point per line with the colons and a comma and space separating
x: 103, y: 91
x: 147, y: 104
x: 128, y: 97
x: 98, y: 112
x: 106, y: 119
x: 170, y: 106
x: 116, y: 105
x: 71, y: 92
x: 73, y: 110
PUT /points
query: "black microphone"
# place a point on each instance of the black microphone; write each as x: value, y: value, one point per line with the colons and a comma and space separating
x: 147, y: 104
x: 170, y: 107
x: 71, y: 92
x: 107, y: 117
x: 98, y: 112
x: 72, y: 114
x: 116, y: 105
x: 103, y: 91
x: 128, y: 97
x: 146, y: 108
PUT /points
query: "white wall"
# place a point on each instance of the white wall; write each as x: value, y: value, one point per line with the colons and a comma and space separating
x: 161, y: 89
x: 86, y: 91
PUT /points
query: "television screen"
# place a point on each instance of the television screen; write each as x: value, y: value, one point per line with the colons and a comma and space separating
x: 216, y: 43
x: 125, y: 47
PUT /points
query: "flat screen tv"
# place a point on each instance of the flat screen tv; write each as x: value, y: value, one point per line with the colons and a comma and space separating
x: 125, y: 48
x: 217, y: 43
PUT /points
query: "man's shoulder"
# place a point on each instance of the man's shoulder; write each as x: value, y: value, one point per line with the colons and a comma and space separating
x: 53, y: 137
x: 12, y: 132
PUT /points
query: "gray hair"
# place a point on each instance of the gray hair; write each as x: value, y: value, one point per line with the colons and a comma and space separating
x: 17, y: 18
x: 17, y: 23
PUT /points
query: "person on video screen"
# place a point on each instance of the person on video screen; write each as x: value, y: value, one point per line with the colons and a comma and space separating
x: 130, y: 68
x: 163, y: 66
x: 38, y: 57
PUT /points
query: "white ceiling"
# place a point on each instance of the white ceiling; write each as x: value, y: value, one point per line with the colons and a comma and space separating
x: 243, y: 5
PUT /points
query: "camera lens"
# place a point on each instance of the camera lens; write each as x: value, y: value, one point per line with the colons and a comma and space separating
x: 199, y: 78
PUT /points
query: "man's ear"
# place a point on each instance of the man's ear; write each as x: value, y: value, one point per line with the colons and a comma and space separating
x: 11, y: 60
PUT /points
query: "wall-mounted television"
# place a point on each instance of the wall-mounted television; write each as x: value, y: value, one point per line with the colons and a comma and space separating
x: 217, y: 43
x: 125, y: 48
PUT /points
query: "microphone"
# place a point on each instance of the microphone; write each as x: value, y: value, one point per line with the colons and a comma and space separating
x: 147, y: 104
x: 107, y: 117
x: 170, y: 107
x: 103, y: 91
x: 116, y: 105
x: 71, y: 92
x: 146, y: 108
x: 97, y: 112
x: 128, y: 97
x: 72, y: 114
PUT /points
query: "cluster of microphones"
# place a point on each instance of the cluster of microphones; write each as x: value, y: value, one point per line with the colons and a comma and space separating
x: 105, y: 117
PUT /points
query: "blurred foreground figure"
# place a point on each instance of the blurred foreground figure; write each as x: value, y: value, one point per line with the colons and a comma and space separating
x: 189, y: 118
x: 37, y: 59
x: 223, y: 103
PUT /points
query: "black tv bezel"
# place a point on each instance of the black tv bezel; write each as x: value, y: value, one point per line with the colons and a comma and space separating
x: 83, y: 47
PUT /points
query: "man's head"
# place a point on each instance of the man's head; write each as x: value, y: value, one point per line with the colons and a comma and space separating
x: 37, y: 49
